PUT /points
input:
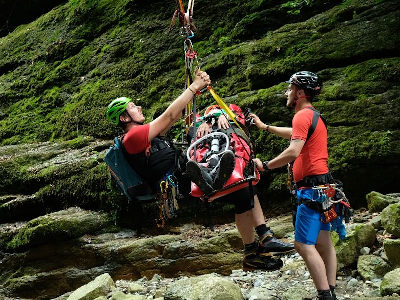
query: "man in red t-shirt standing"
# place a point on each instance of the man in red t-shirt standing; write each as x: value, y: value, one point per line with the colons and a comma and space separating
x: 309, y: 151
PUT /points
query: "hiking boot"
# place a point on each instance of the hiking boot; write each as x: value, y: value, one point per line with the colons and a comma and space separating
x: 226, y: 166
x: 252, y: 260
x: 257, y: 262
x: 326, y: 297
x: 270, y: 245
x: 197, y: 174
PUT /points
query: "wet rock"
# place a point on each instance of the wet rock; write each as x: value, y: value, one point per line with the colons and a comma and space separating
x: 100, y: 286
x: 391, y: 219
x: 210, y: 286
x: 371, y: 267
x: 391, y: 283
x: 392, y: 250
x: 377, y: 201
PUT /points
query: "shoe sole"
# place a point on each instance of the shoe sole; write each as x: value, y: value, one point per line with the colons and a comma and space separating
x: 195, y: 175
x: 227, y: 163
x: 275, y: 253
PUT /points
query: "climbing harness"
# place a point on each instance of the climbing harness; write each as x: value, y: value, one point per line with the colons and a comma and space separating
x: 328, y: 196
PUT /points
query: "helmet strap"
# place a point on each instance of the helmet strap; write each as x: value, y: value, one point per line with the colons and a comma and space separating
x: 131, y: 120
x: 294, y: 102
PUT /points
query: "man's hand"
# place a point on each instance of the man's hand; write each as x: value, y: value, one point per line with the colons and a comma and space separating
x: 223, y: 122
x: 203, y: 129
x: 201, y: 79
x: 259, y: 164
x: 257, y: 121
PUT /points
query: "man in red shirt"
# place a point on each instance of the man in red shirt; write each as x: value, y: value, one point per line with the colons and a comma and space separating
x: 308, y: 149
x: 145, y: 146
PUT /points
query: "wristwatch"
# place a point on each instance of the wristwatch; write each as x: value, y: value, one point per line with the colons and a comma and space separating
x: 265, y: 165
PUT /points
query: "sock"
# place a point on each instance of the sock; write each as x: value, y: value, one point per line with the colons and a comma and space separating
x: 261, y: 230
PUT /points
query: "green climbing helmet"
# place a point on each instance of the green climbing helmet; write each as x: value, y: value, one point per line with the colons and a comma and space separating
x: 116, y: 108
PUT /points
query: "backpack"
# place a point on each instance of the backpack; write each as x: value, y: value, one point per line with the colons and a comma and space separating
x: 127, y: 179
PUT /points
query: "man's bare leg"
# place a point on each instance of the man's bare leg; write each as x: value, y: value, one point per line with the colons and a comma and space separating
x: 327, y: 252
x: 315, y: 264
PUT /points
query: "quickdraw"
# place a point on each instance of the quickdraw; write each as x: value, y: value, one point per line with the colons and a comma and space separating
x: 326, y: 195
x: 168, y: 204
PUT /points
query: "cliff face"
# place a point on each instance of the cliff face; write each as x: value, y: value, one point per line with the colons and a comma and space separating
x: 58, y: 73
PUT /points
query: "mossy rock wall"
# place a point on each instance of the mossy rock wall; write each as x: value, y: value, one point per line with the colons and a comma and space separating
x: 59, y: 72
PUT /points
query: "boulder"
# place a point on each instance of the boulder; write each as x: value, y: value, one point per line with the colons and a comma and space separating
x: 204, y: 287
x: 347, y: 251
x: 294, y: 293
x: 281, y: 225
x: 391, y: 219
x: 392, y: 250
x: 62, y: 225
x: 391, y: 283
x: 100, y: 286
x: 376, y: 221
x: 377, y: 202
x: 365, y: 235
x: 370, y: 267
x: 118, y: 295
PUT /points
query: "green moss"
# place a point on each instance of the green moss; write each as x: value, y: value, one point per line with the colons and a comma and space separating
x: 57, y: 226
x: 59, y: 72
x: 79, y: 142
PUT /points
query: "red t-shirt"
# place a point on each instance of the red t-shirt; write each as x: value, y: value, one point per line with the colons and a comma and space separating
x: 314, y: 155
x: 137, y: 139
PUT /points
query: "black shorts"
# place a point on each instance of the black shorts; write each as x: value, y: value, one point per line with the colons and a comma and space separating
x: 242, y: 199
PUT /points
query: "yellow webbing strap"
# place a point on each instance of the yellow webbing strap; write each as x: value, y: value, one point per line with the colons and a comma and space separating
x: 225, y: 107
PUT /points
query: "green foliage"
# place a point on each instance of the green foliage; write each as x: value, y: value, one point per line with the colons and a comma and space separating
x: 58, y: 73
x: 361, y: 147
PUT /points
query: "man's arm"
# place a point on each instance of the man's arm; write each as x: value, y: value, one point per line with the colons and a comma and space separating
x: 284, y: 132
x: 164, y: 132
x: 173, y: 112
x: 287, y: 156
